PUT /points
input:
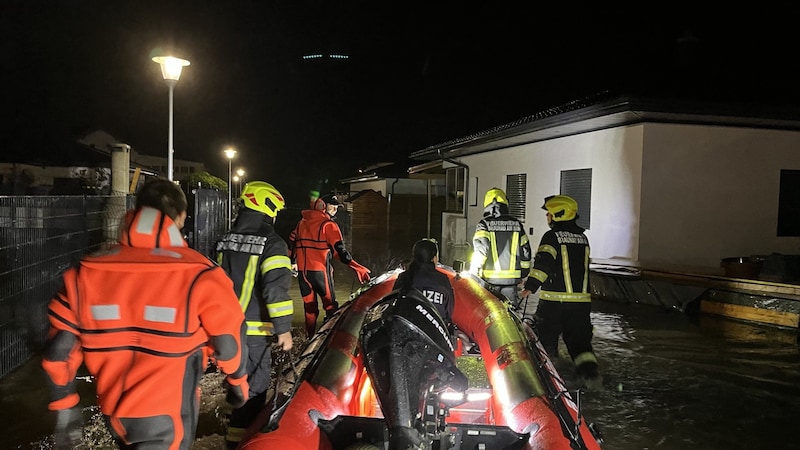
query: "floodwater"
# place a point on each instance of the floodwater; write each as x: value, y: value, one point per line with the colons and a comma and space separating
x: 671, y: 382
x: 676, y: 382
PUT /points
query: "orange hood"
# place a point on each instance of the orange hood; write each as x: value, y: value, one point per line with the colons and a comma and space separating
x: 148, y: 227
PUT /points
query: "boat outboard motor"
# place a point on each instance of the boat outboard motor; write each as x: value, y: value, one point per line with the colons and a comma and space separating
x: 408, y: 355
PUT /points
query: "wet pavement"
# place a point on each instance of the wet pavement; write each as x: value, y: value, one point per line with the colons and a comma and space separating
x: 671, y: 382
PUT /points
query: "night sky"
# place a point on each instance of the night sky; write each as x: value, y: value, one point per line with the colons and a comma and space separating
x: 419, y: 72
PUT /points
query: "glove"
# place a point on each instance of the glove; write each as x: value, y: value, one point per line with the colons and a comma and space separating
x: 69, y: 428
x: 237, y: 391
x: 361, y: 272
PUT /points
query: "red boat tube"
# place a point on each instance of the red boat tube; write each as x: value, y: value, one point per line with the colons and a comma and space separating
x: 327, y: 398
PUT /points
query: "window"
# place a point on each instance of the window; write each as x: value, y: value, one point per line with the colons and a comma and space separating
x: 578, y: 185
x: 789, y: 203
x: 455, y: 189
x: 515, y: 191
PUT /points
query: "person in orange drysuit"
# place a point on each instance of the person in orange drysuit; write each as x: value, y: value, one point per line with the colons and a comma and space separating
x: 144, y: 317
x: 312, y: 245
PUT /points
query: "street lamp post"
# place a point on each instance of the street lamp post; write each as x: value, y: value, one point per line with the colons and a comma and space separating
x: 230, y: 153
x: 240, y: 180
x: 171, y: 71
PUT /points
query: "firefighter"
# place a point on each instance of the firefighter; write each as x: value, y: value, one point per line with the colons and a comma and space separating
x: 256, y: 258
x: 144, y: 317
x: 501, y: 252
x: 561, y: 270
x: 313, y: 243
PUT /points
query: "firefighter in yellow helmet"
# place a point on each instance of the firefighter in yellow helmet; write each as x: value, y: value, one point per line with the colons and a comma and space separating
x: 501, y: 252
x: 561, y: 270
x: 256, y: 258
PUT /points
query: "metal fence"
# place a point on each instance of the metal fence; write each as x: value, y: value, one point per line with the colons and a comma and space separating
x: 42, y: 236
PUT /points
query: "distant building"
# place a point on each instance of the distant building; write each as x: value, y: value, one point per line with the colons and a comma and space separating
x: 80, y: 167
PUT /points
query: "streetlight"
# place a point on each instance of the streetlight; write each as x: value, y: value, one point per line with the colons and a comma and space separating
x: 171, y: 71
x: 230, y: 153
x: 240, y: 180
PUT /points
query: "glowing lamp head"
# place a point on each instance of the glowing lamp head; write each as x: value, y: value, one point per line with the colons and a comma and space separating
x: 171, y: 66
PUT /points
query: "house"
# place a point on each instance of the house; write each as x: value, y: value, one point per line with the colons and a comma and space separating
x: 659, y: 184
x: 387, y: 206
x: 83, y: 166
x: 80, y: 167
x: 669, y: 186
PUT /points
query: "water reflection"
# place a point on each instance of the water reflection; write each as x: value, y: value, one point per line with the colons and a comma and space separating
x: 677, y: 382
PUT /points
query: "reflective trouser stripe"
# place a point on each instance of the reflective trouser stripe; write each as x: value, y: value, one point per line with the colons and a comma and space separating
x: 565, y: 296
x: 584, y: 358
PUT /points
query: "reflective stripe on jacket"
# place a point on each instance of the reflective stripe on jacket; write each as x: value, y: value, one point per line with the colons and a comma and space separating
x: 561, y: 266
x: 501, y: 249
x: 315, y: 241
x: 144, y: 317
x: 257, y: 260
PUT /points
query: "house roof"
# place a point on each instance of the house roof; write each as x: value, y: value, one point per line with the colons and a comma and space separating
x: 602, y: 112
x: 69, y: 154
x: 378, y: 171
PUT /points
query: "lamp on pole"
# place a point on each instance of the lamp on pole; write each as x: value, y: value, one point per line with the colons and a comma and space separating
x: 171, y: 71
x: 230, y: 153
x: 240, y: 180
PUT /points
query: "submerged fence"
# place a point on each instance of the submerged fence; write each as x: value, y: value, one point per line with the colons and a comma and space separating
x: 42, y: 236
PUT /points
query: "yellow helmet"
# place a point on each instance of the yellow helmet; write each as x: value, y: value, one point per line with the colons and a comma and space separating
x: 495, y: 194
x: 262, y: 197
x: 561, y: 207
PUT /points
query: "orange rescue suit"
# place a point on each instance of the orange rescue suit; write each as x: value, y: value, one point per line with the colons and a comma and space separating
x: 144, y: 317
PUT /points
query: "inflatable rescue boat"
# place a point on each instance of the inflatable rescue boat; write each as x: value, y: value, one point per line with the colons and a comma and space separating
x: 384, y: 372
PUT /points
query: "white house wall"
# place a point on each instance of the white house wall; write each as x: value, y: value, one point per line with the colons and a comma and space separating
x: 615, y: 157
x: 712, y: 192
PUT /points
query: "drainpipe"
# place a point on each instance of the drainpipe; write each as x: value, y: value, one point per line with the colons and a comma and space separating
x: 389, y: 213
x: 430, y: 208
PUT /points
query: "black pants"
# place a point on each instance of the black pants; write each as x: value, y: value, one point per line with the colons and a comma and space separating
x: 259, y: 370
x: 570, y: 320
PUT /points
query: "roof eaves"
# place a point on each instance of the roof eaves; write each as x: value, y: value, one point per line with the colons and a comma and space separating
x: 598, y: 113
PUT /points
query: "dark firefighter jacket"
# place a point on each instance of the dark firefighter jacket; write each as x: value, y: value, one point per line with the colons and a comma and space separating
x: 561, y: 266
x: 144, y: 317
x: 500, y: 247
x: 433, y: 284
x: 257, y: 259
